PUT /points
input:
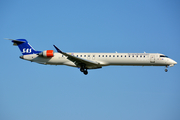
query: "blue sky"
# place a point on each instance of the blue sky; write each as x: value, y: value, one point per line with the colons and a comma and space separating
x: 33, y: 91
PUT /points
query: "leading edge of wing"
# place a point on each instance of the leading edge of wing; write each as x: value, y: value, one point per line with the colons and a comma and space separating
x: 77, y: 60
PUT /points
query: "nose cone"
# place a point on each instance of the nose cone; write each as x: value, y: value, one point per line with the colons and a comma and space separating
x: 172, y: 63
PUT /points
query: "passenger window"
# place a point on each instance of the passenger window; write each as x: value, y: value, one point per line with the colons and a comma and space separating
x: 117, y: 55
x: 81, y: 55
x: 102, y: 55
x: 140, y: 56
x: 109, y: 55
x: 84, y: 55
x: 125, y: 56
x: 77, y: 55
x: 129, y: 56
x: 99, y: 55
x: 113, y: 55
x: 121, y: 56
x: 133, y: 56
x: 106, y: 55
x: 88, y: 55
x: 93, y: 55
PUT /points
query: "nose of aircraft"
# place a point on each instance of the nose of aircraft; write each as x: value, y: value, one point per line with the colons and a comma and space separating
x: 173, y: 62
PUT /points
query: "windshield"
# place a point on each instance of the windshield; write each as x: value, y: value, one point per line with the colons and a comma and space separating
x: 163, y: 56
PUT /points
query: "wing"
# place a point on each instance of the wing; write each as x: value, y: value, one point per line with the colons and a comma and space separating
x: 80, y: 62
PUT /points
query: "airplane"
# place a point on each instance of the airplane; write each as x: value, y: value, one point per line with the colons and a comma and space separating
x: 86, y: 61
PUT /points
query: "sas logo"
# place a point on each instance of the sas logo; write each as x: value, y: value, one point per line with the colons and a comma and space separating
x: 27, y: 50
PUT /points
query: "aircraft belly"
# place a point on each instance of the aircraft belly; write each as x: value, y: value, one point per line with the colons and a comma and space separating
x: 50, y: 61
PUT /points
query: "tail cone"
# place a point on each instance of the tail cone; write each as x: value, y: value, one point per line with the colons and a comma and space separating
x: 22, y: 57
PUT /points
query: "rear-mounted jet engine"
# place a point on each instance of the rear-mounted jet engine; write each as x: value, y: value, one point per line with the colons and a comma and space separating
x: 47, y: 53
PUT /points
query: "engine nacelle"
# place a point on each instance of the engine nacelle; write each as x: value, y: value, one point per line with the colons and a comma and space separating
x: 47, y: 53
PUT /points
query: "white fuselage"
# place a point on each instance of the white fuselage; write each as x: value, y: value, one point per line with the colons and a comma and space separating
x: 86, y: 61
x: 106, y: 59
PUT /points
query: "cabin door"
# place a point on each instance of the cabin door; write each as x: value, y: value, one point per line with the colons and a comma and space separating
x: 152, y: 59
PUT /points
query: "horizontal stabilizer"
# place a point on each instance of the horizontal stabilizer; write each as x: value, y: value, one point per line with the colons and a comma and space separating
x: 15, y: 41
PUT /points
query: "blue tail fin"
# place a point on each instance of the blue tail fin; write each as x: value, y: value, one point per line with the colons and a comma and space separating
x: 25, y: 47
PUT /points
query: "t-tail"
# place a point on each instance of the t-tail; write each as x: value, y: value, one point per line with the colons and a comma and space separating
x: 24, y: 46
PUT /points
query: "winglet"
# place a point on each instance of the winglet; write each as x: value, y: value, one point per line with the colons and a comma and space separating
x: 58, y: 49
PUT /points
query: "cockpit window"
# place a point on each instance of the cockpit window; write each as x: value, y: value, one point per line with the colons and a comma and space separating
x: 163, y: 56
